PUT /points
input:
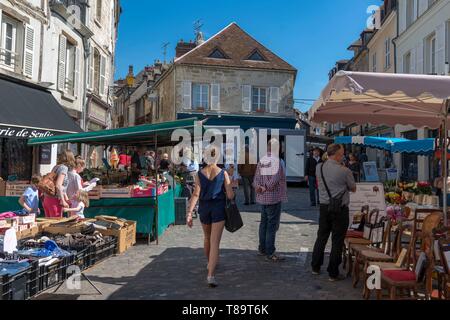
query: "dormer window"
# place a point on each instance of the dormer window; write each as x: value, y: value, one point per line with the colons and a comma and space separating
x: 218, y: 54
x: 256, y: 56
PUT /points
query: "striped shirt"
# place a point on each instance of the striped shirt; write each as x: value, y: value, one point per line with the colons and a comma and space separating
x: 270, y: 174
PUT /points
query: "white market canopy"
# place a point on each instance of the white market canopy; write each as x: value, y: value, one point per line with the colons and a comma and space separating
x: 383, y: 99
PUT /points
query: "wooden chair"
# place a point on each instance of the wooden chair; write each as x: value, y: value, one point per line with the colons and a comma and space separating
x: 409, y: 279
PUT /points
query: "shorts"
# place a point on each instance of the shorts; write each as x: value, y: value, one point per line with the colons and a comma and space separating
x: 212, y: 211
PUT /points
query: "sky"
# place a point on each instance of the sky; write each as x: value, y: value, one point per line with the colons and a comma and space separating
x: 310, y: 35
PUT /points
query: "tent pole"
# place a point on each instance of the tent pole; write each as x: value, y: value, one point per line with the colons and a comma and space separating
x: 444, y: 160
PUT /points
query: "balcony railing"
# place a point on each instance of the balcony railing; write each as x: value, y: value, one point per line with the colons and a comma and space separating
x: 9, y: 59
x: 69, y: 86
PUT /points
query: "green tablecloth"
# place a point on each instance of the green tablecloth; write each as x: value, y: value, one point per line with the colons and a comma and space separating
x: 141, y: 210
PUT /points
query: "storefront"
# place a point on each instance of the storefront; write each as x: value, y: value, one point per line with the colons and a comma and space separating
x: 28, y: 111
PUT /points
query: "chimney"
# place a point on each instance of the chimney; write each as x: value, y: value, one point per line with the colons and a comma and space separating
x: 183, y: 48
x: 130, y: 71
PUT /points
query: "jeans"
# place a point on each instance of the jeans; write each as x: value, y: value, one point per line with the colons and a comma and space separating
x: 270, y: 223
x: 335, y: 224
x: 249, y: 191
x: 313, y: 191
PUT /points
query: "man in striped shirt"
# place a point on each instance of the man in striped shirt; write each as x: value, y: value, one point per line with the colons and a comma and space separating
x: 271, y: 191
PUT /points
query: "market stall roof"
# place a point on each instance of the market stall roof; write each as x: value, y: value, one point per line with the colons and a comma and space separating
x: 383, y: 99
x: 139, y: 135
x: 395, y: 145
x: 30, y: 111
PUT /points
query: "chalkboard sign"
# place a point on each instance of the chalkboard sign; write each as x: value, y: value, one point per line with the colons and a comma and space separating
x: 45, y: 154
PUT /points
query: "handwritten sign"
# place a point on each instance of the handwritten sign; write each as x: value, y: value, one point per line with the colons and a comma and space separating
x: 371, y: 172
x: 368, y: 194
x: 391, y: 174
x: 45, y: 154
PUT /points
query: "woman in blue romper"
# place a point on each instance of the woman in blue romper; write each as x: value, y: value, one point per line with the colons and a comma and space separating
x: 212, y: 187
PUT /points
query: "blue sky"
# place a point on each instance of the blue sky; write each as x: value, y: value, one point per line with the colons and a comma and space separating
x: 310, y: 35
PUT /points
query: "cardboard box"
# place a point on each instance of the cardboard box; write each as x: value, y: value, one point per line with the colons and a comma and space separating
x: 126, y: 237
x: 27, y: 219
x: 28, y: 233
x: 2, y: 188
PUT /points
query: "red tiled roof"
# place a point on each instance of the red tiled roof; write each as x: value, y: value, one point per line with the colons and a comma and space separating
x: 237, y: 45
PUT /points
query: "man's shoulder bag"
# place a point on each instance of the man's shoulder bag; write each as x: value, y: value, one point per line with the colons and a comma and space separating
x: 335, y: 204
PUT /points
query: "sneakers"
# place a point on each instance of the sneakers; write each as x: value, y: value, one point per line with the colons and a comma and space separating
x: 315, y: 273
x: 212, y: 282
x: 261, y: 254
x: 338, y: 278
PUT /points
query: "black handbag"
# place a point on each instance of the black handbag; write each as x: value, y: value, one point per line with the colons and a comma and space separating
x: 233, y: 219
x: 335, y: 205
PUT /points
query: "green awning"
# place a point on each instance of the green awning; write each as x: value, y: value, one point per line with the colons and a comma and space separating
x: 139, y: 135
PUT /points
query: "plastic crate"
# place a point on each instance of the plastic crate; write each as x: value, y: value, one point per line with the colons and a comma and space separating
x: 84, y: 258
x: 181, y: 206
x: 104, y: 251
x: 52, y: 275
x: 17, y: 287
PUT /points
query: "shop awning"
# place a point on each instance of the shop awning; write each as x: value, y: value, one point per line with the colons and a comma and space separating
x: 395, y: 145
x: 29, y: 111
x: 139, y: 135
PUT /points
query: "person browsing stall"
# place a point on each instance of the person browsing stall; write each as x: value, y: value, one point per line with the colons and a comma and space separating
x: 30, y: 198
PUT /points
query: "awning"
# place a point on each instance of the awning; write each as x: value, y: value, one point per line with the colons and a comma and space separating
x: 132, y: 136
x: 395, y: 145
x: 243, y: 121
x: 28, y: 111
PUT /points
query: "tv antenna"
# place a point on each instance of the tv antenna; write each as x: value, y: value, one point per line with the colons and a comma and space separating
x: 198, y: 26
x: 164, y: 47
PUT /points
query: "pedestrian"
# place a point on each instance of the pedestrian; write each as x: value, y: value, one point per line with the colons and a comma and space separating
x: 53, y: 205
x: 353, y: 165
x: 29, y: 200
x: 311, y: 165
x: 75, y: 180
x: 335, y: 180
x: 247, y: 172
x: 212, y: 188
x: 80, y: 202
x: 271, y: 190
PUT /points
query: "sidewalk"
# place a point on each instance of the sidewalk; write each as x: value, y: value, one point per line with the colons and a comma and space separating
x: 176, y: 269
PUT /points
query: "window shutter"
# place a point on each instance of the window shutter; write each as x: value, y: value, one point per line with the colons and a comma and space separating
x: 402, y: 13
x: 423, y: 6
x: 1, y: 33
x: 28, y: 52
x: 413, y: 61
x: 215, y: 97
x: 274, y: 99
x: 401, y: 66
x: 440, y: 49
x: 90, y: 69
x: 76, y: 73
x: 102, y: 75
x: 187, y: 91
x: 419, y: 57
x: 62, y: 63
x: 246, y: 98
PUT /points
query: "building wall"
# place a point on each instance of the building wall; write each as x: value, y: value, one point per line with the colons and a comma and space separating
x: 165, y: 99
x: 377, y: 46
x: 231, y: 82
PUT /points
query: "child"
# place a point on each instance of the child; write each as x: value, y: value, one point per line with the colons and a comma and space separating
x: 30, y: 198
x: 78, y: 205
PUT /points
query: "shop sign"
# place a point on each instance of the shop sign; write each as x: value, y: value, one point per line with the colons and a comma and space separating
x: 45, y: 154
x: 23, y: 133
x: 368, y: 194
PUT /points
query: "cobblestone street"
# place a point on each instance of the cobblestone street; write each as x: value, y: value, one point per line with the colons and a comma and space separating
x: 176, y: 269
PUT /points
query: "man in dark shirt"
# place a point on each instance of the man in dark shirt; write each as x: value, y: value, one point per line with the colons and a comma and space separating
x: 310, y: 176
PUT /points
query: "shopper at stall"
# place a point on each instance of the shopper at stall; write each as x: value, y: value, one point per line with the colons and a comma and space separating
x: 338, y: 181
x: 271, y: 192
x: 75, y: 180
x: 311, y: 165
x: 138, y: 164
x: 30, y: 198
x: 150, y: 158
x: 53, y: 205
x: 353, y: 165
x: 247, y: 172
x: 165, y: 164
x: 80, y: 202
x: 212, y: 188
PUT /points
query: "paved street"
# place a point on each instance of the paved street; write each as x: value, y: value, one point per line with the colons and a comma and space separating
x: 176, y: 269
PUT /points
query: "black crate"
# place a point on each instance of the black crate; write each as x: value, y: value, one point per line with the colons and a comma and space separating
x: 16, y: 287
x: 52, y: 275
x: 104, y: 251
x: 84, y: 258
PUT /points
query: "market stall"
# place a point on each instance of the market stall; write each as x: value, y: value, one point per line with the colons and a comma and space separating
x: 151, y: 205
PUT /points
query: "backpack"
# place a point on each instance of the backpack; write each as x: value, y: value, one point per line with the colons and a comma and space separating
x: 48, y: 185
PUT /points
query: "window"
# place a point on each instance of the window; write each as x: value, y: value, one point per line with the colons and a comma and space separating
x: 200, y: 96
x: 98, y: 10
x: 409, y: 12
x: 430, y: 54
x: 8, y: 55
x: 96, y: 71
x: 374, y: 62
x: 256, y: 56
x: 387, y: 52
x: 407, y: 63
x: 217, y: 54
x: 259, y: 99
x: 68, y: 66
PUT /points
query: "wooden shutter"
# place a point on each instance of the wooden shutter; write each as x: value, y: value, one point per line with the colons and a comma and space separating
x: 246, y: 98
x: 28, y: 52
x: 413, y: 67
x: 76, y: 73
x: 102, y: 88
x: 274, y: 100
x: 215, y: 97
x: 62, y: 63
x: 423, y: 6
x: 420, y: 60
x: 440, y: 49
x: 186, y: 92
x: 90, y: 69
x: 402, y: 15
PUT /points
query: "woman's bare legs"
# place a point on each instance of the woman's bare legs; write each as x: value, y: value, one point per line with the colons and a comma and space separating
x: 207, y: 239
x: 216, y: 236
